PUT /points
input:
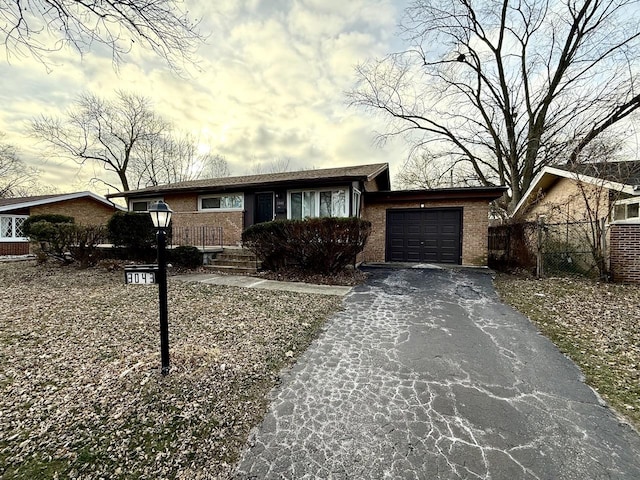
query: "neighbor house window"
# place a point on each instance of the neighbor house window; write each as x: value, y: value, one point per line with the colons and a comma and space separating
x: 142, y: 206
x: 318, y: 203
x: 628, y: 209
x: 11, y: 227
x: 222, y: 202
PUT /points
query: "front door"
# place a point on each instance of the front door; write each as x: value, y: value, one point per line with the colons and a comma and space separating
x: 264, y: 207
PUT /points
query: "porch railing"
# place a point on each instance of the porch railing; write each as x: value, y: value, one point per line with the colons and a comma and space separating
x: 201, y: 236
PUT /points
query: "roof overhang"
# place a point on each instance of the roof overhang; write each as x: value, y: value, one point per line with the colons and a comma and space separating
x: 487, y: 194
x: 27, y: 203
x: 381, y: 174
x: 550, y: 175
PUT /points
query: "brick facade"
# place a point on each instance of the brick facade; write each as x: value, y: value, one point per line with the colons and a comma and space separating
x: 85, y: 211
x: 186, y: 214
x: 14, y: 248
x: 565, y: 200
x: 625, y: 252
x: 475, y: 226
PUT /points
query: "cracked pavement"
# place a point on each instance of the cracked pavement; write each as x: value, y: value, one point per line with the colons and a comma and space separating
x: 427, y: 375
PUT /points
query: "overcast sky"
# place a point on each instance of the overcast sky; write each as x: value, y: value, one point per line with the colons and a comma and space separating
x: 271, y: 87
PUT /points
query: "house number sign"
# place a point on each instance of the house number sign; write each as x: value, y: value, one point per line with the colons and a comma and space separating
x: 140, y: 274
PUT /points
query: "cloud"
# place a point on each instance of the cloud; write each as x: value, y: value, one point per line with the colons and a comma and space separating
x: 270, y: 85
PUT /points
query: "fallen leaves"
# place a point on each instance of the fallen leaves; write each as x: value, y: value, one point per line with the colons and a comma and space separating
x: 81, y: 395
x: 596, y: 324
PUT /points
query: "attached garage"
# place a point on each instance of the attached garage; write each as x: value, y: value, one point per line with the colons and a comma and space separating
x: 431, y: 235
x: 447, y: 225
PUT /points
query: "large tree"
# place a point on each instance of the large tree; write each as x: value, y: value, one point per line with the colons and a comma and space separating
x: 503, y: 88
x: 126, y: 137
x: 39, y: 27
x: 109, y: 133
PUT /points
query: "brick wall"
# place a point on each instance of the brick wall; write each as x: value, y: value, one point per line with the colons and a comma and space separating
x: 186, y: 214
x: 14, y: 248
x: 625, y: 252
x: 565, y: 200
x: 85, y: 211
x: 475, y: 227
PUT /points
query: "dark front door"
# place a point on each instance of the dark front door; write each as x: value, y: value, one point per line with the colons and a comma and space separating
x: 264, y: 207
x: 424, y: 235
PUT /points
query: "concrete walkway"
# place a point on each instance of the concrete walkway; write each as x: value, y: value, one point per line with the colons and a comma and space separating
x: 253, y: 282
x: 427, y: 375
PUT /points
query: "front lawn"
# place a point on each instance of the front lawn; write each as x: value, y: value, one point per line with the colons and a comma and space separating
x: 81, y: 395
x: 597, y: 325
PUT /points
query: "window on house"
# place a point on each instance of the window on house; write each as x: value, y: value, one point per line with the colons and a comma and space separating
x: 11, y: 227
x: 628, y: 209
x: 231, y: 201
x: 142, y: 206
x: 356, y: 202
x: 318, y: 203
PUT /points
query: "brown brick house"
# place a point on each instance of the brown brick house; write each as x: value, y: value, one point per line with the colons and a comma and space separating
x: 444, y: 225
x: 609, y: 191
x: 86, y: 208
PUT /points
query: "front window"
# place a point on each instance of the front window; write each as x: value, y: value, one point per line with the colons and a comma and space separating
x: 11, y: 227
x: 142, y: 206
x: 318, y: 203
x: 222, y: 202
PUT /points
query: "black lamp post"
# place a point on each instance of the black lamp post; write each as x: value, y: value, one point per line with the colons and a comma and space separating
x: 161, y: 217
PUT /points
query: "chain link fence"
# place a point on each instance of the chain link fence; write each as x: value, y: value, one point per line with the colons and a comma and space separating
x: 548, y: 249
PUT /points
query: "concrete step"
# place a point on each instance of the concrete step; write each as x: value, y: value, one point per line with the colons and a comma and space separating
x: 225, y: 262
x: 231, y: 269
x: 235, y: 256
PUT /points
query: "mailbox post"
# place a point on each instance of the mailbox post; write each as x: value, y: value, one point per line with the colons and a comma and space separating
x: 161, y: 217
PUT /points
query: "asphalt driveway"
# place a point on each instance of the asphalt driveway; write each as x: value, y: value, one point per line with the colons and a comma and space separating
x: 427, y: 375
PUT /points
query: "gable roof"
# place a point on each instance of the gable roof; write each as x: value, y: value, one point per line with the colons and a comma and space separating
x: 618, y: 176
x: 379, y: 171
x: 8, y: 204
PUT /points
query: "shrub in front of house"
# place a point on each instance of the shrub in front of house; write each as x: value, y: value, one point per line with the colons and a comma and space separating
x: 317, y: 245
x: 66, y: 242
x: 51, y: 218
x: 133, y: 233
x: 185, y: 256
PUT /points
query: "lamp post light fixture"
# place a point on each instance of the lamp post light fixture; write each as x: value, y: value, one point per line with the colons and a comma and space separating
x: 161, y: 217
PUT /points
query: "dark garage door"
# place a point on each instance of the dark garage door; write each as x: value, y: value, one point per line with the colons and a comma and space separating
x: 424, y: 235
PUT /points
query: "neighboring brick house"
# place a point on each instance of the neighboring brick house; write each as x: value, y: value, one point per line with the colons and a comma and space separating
x: 85, y: 207
x: 612, y: 192
x: 443, y: 225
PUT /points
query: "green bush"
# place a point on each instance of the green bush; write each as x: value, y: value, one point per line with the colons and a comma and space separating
x: 185, y: 256
x: 134, y: 232
x: 67, y: 242
x: 316, y: 245
x: 49, y: 218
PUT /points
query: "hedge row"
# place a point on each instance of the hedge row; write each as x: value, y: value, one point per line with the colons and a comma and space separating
x: 317, y: 245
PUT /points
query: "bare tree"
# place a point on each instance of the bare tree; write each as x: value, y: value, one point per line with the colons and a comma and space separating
x: 39, y: 27
x: 277, y: 165
x: 110, y: 133
x: 16, y: 178
x: 165, y: 158
x: 215, y: 166
x: 507, y: 87
x: 427, y: 170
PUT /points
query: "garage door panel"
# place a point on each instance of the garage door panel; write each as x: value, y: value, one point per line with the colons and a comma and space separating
x: 424, y: 235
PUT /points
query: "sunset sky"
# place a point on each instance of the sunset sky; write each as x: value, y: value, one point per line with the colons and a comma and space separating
x: 271, y: 86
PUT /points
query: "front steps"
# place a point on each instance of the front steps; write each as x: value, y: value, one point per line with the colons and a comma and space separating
x: 234, y: 260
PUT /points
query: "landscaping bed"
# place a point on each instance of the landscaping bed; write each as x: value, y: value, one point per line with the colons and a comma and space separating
x: 81, y: 395
x: 596, y: 324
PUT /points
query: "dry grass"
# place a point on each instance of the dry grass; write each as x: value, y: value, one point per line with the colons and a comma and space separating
x: 597, y: 325
x: 80, y: 391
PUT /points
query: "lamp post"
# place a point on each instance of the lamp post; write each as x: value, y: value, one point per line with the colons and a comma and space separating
x: 161, y: 217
